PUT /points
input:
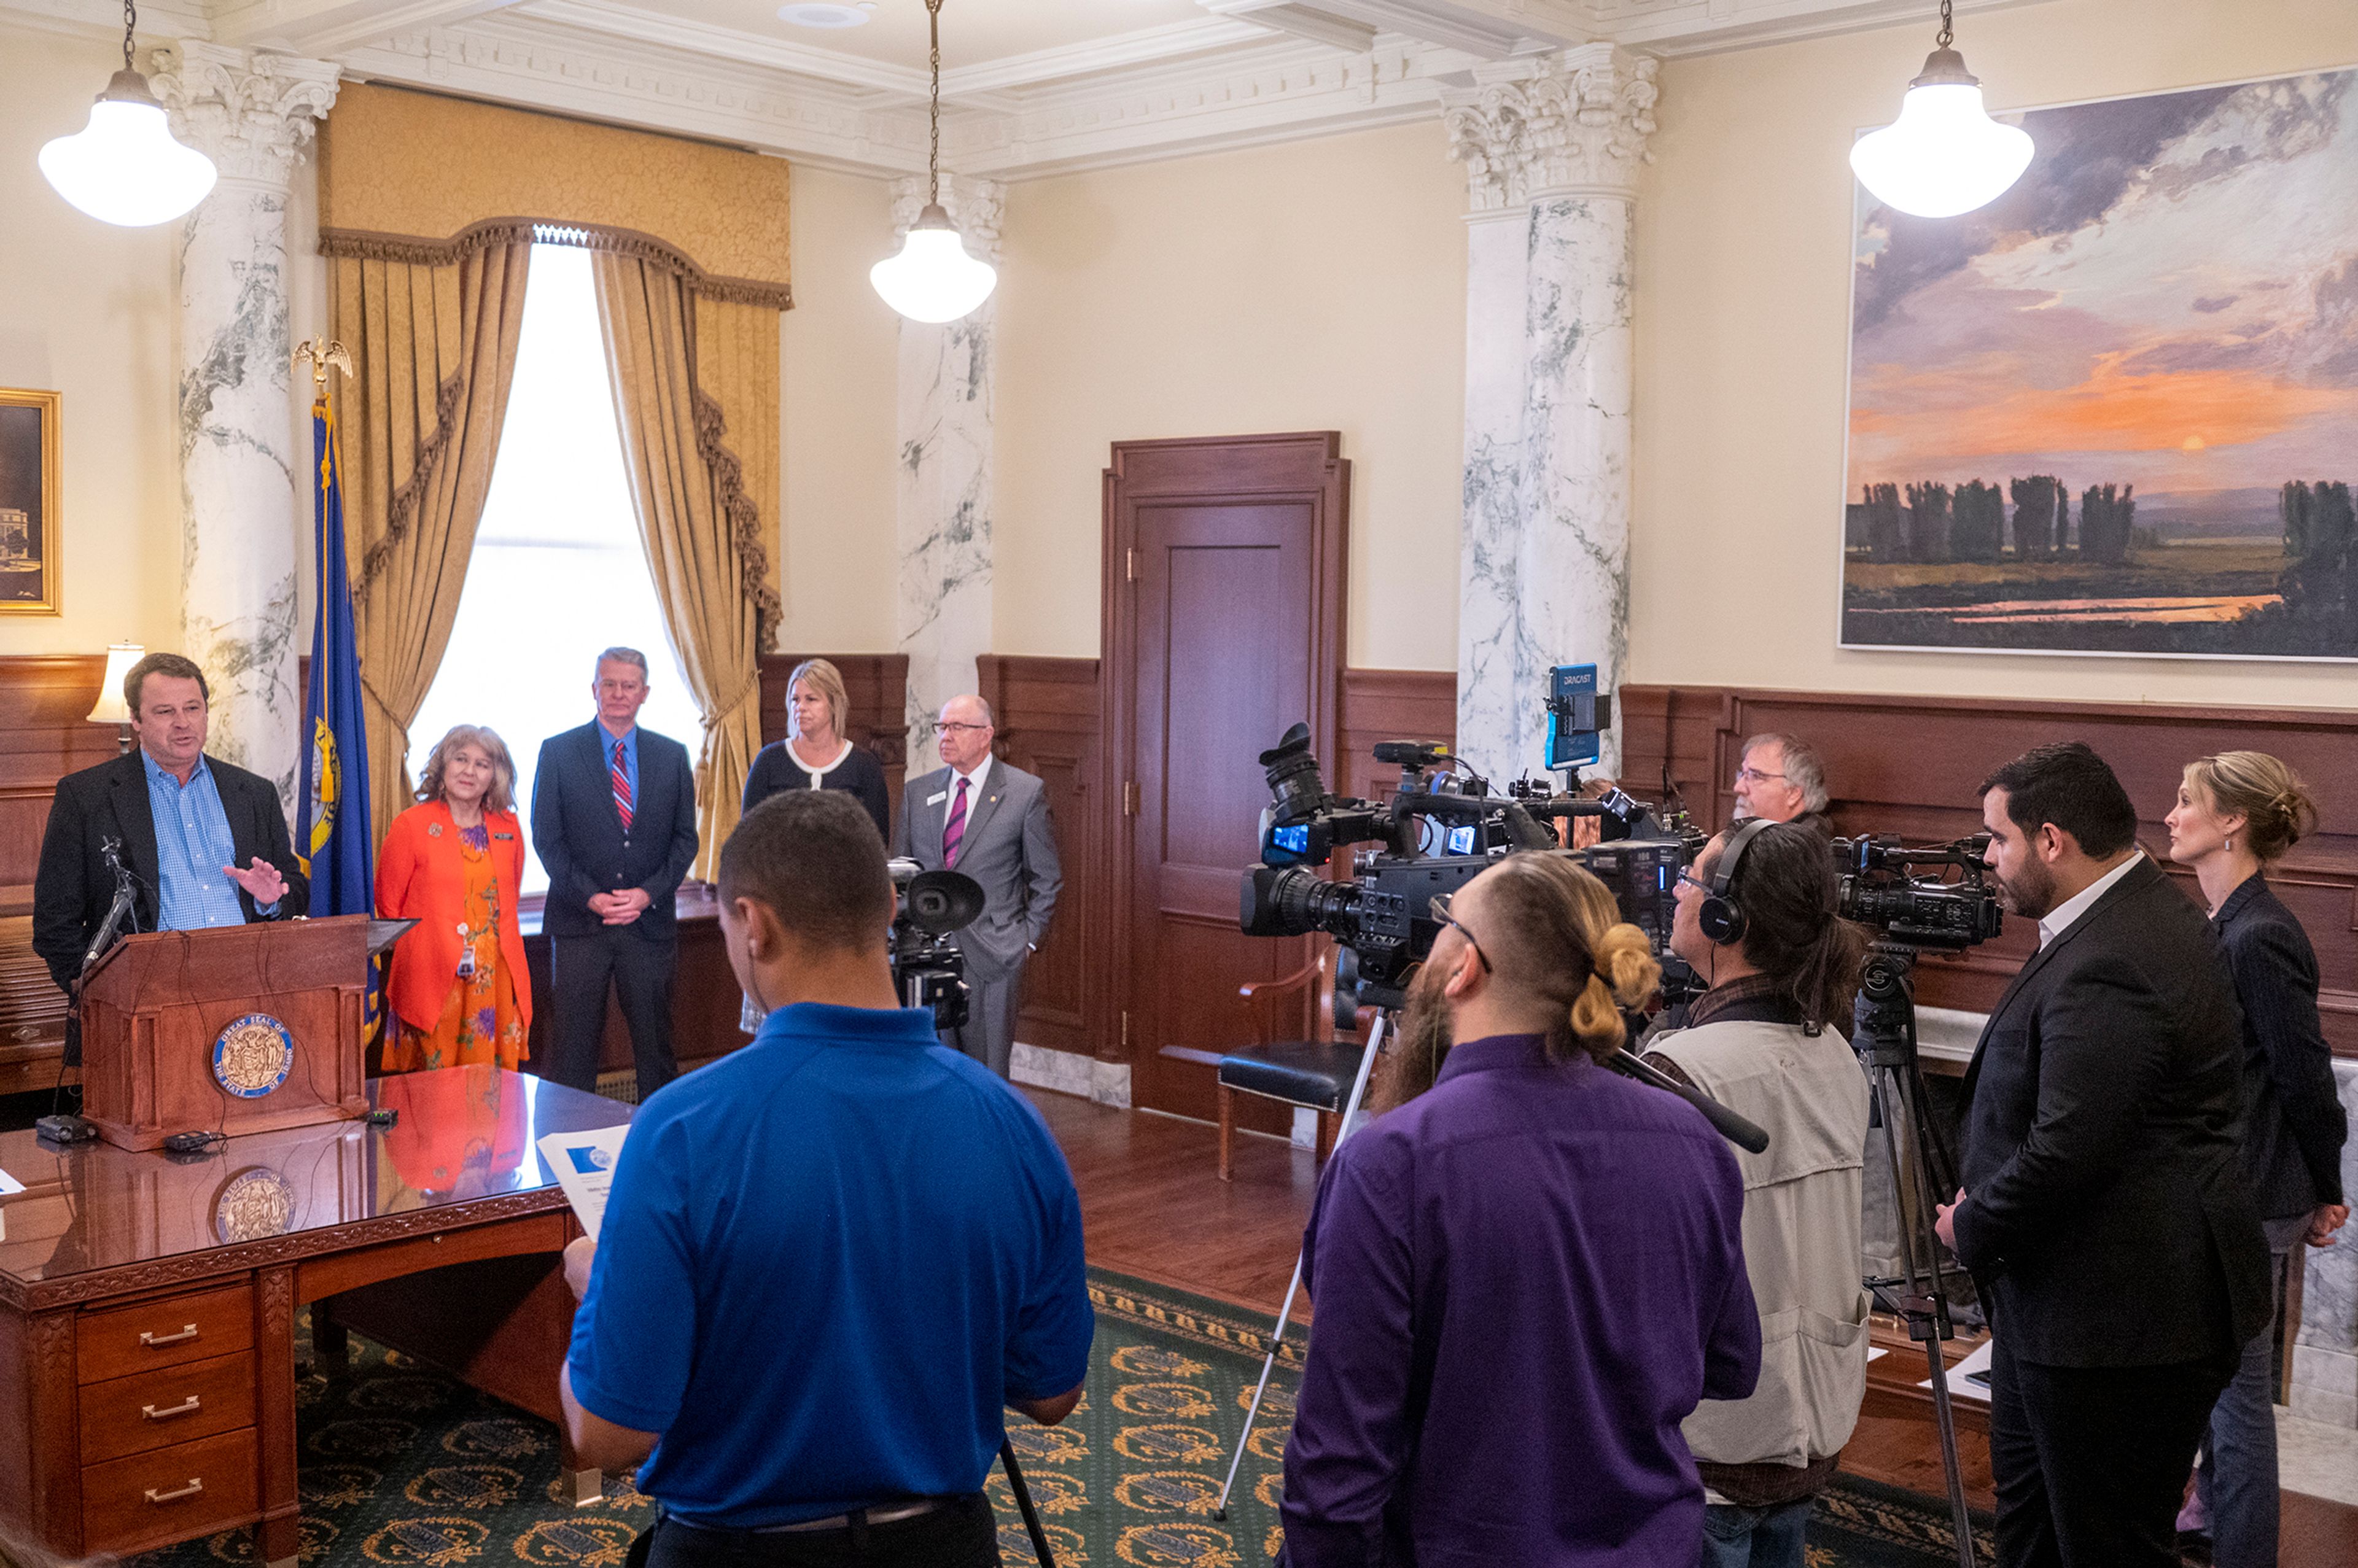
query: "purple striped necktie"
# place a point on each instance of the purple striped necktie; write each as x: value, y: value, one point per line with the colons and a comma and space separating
x: 622, y: 787
x: 954, y: 831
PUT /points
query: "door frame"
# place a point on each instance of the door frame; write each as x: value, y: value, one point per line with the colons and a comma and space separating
x: 1306, y: 467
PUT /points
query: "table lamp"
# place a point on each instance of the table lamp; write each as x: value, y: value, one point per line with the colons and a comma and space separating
x: 110, y: 708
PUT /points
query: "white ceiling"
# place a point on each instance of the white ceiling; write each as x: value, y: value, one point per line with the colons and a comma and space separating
x: 1030, y: 87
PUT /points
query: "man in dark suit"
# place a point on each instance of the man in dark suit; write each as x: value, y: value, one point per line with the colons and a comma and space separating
x: 2104, y: 1211
x: 204, y: 843
x: 989, y: 819
x: 613, y: 820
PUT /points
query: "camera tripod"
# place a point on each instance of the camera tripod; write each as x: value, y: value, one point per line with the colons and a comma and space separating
x: 1923, y: 1174
x: 1276, y: 1336
x: 1023, y: 1501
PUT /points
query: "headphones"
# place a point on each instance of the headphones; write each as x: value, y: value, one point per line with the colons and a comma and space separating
x: 1720, y: 917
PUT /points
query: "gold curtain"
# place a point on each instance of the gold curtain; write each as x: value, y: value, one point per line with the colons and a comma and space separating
x: 434, y: 350
x: 702, y: 530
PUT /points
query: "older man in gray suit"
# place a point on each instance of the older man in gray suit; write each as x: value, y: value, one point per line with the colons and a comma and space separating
x: 989, y: 819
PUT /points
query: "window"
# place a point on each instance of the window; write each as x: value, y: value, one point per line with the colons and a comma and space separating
x: 558, y: 572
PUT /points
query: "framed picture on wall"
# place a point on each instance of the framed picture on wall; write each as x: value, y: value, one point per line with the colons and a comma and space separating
x: 2116, y: 411
x: 31, y: 577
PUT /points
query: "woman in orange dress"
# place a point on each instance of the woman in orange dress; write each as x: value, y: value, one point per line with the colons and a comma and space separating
x: 454, y: 862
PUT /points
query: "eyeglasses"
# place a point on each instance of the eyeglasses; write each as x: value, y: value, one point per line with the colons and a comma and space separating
x: 1754, y: 776
x: 1693, y: 882
x: 1439, y: 909
x: 959, y: 729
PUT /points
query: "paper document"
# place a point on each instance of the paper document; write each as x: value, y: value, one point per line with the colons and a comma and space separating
x: 583, y: 1163
x: 9, y: 1183
x: 1969, y: 1378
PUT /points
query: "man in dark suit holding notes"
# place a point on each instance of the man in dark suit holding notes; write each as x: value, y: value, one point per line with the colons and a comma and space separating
x: 613, y: 820
x: 990, y: 820
x: 2104, y: 1212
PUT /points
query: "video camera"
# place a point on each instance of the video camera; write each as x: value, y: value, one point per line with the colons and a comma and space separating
x: 1382, y: 920
x: 927, y: 968
x: 1880, y: 890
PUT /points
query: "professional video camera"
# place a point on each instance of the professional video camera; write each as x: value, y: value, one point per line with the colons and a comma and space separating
x: 1879, y: 889
x: 1382, y: 920
x: 927, y: 967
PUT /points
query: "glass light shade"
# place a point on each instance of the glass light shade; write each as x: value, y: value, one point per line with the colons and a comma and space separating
x: 933, y: 278
x: 1943, y: 156
x: 110, y: 708
x: 125, y: 168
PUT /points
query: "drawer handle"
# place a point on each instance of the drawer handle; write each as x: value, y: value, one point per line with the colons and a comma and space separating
x: 186, y: 1407
x: 154, y: 1341
x: 196, y: 1484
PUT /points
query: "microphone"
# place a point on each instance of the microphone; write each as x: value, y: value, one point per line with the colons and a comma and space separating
x: 1730, y: 1125
x: 109, y: 849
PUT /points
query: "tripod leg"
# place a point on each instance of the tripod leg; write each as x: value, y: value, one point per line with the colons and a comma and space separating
x: 1945, y: 1418
x: 1023, y: 1501
x: 1277, y: 1335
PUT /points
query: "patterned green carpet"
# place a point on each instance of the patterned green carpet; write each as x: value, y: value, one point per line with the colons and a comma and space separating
x: 402, y: 1465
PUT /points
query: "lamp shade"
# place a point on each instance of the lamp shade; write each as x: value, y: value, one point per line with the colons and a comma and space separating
x: 1943, y: 156
x: 124, y: 166
x: 933, y: 278
x: 110, y: 708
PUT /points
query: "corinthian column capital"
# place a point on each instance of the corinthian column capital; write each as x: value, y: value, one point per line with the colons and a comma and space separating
x: 974, y: 205
x: 1575, y: 121
x: 248, y: 111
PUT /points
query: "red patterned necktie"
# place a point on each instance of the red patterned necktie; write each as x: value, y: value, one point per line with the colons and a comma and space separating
x: 954, y: 832
x: 622, y: 788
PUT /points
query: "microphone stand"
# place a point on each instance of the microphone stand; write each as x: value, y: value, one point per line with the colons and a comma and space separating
x: 55, y: 1127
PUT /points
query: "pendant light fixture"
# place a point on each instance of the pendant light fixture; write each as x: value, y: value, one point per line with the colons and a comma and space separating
x: 933, y: 278
x: 1944, y: 154
x: 125, y: 165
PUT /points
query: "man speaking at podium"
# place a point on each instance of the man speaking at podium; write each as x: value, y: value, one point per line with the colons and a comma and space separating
x: 204, y: 843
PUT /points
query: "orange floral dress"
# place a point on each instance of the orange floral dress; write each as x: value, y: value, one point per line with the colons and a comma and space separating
x: 479, y: 1022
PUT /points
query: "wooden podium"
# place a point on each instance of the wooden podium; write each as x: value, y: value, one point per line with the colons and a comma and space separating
x: 236, y: 1029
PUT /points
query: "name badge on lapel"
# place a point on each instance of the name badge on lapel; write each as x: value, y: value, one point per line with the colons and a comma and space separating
x: 936, y: 798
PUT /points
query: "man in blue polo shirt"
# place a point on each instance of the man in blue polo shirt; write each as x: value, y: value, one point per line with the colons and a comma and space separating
x: 829, y: 1260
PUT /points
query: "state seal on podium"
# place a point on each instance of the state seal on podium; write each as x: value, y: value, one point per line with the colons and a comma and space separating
x: 253, y: 1056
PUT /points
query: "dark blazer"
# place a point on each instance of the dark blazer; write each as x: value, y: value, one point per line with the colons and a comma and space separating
x: 860, y: 775
x: 579, y: 839
x: 2107, y: 1219
x: 2293, y: 1122
x: 73, y: 887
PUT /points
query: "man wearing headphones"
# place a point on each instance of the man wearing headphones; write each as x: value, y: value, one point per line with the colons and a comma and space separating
x: 1755, y: 917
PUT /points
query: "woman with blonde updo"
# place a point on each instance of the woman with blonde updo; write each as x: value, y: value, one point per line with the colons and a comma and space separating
x: 2236, y: 815
x: 1475, y: 1250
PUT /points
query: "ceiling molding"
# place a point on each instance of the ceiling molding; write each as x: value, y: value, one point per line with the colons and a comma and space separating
x: 323, y: 27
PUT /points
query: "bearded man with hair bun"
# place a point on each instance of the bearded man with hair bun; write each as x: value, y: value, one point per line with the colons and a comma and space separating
x: 1527, y: 1269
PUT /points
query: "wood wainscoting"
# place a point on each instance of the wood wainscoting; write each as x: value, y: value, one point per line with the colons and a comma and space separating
x: 1047, y: 716
x: 1914, y: 766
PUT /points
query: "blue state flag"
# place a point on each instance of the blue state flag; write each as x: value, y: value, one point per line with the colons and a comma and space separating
x: 333, y: 840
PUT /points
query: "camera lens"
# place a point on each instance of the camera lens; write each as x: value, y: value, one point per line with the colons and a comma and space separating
x: 1289, y: 901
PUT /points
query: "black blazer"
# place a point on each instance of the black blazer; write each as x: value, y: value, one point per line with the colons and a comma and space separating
x: 579, y: 839
x: 73, y: 887
x: 860, y: 775
x: 2107, y: 1219
x: 2293, y: 1122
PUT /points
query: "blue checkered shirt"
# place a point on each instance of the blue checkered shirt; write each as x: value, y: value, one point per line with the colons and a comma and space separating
x: 192, y: 845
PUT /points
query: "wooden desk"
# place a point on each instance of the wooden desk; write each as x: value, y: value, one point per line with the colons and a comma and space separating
x: 147, y: 1301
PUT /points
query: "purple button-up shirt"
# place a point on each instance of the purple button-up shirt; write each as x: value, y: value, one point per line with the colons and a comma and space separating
x: 1525, y: 1279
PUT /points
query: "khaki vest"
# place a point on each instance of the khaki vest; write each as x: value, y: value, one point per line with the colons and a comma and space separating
x: 1801, y: 1198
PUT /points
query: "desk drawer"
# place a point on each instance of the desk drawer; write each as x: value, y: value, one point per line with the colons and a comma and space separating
x: 167, y: 1333
x: 170, y: 1494
x: 169, y: 1405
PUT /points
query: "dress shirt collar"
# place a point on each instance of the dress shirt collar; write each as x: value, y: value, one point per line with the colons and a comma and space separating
x: 606, y: 738
x: 1494, y: 1053
x: 156, y: 770
x: 974, y: 779
x: 2065, y: 915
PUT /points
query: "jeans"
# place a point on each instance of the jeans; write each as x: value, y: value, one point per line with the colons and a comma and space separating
x: 2237, y: 1478
x: 1736, y: 1537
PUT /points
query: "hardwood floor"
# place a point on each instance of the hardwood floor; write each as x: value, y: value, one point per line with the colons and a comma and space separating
x: 1153, y: 1206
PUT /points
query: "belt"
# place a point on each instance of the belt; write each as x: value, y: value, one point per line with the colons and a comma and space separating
x: 857, y: 1518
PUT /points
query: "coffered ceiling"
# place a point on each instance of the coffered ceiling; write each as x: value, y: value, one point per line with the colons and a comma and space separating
x: 1030, y: 87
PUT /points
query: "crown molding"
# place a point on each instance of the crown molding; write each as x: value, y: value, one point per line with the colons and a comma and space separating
x: 159, y: 21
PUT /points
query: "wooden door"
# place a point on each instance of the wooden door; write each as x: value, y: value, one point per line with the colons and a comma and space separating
x: 1224, y: 625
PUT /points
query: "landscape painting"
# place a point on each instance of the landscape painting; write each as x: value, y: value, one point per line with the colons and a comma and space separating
x: 30, y: 466
x: 2116, y: 410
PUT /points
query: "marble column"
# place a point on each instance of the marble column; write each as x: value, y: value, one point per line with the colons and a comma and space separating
x: 2325, y: 1352
x: 241, y: 480
x: 942, y: 487
x: 1553, y: 146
